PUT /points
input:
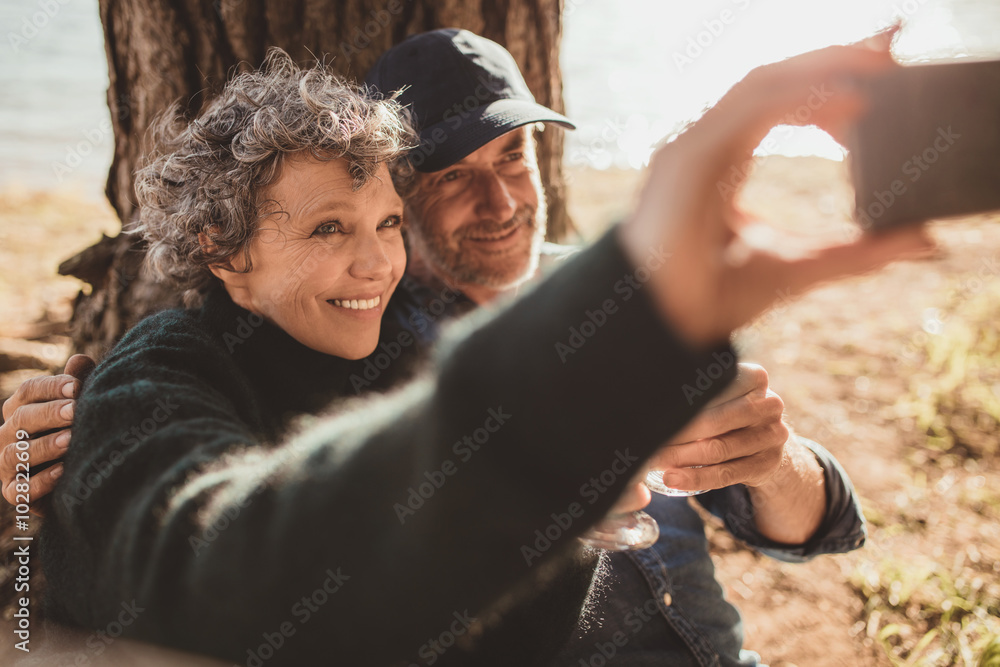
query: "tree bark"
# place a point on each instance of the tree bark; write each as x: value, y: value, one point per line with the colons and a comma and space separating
x: 165, y: 51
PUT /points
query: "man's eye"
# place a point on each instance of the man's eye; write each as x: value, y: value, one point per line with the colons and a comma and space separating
x: 328, y: 228
x: 392, y: 222
x: 513, y: 157
x: 451, y: 176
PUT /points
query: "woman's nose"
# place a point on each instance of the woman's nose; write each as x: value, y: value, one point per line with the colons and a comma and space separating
x: 371, y: 259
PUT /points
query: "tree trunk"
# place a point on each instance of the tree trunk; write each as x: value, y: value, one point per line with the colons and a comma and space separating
x: 162, y: 51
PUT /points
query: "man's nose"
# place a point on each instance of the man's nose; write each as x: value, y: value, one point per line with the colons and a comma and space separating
x: 371, y: 258
x: 495, y: 200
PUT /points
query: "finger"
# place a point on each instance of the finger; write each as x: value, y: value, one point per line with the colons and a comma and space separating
x: 44, y: 483
x: 39, y: 486
x: 742, y: 412
x: 793, y: 277
x: 810, y: 89
x: 37, y: 418
x: 871, y: 251
x: 41, y: 389
x: 734, y: 445
x: 48, y: 447
x: 749, y: 377
x: 880, y: 41
x: 635, y: 497
x: 749, y: 470
x: 39, y: 450
x: 80, y: 366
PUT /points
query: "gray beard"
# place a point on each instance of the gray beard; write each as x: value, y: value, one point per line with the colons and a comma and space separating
x: 468, y: 268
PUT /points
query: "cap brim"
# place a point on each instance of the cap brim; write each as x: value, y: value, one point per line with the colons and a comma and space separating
x: 464, y: 132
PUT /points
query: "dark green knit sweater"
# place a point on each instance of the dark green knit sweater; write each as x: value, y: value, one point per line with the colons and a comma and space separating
x: 435, y: 525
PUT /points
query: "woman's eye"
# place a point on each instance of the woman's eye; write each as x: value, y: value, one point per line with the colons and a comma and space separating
x: 392, y: 221
x: 328, y: 228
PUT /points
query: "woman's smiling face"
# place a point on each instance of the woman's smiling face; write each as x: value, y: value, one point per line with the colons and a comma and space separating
x: 326, y: 258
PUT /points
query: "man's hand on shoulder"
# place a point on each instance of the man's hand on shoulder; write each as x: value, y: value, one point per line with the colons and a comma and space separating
x: 42, y: 408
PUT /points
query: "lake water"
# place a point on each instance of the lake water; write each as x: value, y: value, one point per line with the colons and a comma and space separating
x: 633, y: 70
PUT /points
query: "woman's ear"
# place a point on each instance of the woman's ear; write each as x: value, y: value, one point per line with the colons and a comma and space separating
x: 225, y: 270
x: 231, y: 273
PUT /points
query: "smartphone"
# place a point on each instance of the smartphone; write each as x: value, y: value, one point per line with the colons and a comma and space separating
x: 928, y: 144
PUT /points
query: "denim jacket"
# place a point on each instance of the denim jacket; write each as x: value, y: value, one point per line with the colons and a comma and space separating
x: 664, y: 606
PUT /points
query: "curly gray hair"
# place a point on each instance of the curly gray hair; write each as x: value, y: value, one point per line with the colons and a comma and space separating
x: 209, y: 175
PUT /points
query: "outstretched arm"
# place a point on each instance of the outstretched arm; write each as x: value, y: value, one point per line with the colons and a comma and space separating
x: 442, y: 498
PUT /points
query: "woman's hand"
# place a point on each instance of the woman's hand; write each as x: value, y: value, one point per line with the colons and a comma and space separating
x: 715, y: 279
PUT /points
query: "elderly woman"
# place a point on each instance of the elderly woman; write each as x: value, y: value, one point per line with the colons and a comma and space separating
x: 187, y: 517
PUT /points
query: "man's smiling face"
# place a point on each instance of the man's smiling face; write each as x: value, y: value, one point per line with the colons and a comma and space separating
x: 480, y: 223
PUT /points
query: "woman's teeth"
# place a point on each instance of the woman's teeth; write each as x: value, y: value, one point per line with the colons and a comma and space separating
x: 357, y: 304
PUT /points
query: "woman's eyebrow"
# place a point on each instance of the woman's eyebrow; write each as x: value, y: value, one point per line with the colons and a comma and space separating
x: 331, y: 206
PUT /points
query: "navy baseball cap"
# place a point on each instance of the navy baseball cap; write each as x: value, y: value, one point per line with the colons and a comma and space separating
x: 463, y: 90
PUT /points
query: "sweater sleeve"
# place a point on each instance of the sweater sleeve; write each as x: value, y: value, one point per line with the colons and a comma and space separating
x: 373, y: 533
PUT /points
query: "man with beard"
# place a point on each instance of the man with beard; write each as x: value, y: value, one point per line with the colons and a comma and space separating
x: 477, y: 221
